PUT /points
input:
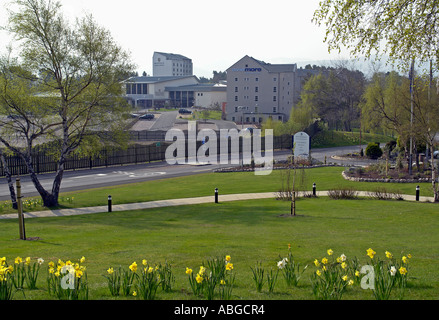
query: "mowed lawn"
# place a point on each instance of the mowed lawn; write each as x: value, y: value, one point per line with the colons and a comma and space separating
x: 326, y: 178
x: 249, y: 231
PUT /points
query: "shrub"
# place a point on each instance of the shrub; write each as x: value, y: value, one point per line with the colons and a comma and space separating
x: 373, y: 151
x: 343, y: 193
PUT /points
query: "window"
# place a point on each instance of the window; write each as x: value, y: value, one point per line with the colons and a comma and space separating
x: 236, y: 98
x: 128, y: 87
x: 145, y: 88
x: 256, y: 89
x: 233, y: 119
x: 256, y: 98
x: 257, y: 79
x: 236, y: 79
x: 236, y: 89
x: 274, y: 109
x: 133, y: 89
x: 274, y: 98
x: 274, y: 79
x: 274, y: 89
x: 236, y: 109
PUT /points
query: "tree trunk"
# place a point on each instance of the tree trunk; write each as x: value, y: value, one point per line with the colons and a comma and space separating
x: 433, y: 175
x: 10, y: 182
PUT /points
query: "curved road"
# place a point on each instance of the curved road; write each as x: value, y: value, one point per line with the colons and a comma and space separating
x: 103, y: 177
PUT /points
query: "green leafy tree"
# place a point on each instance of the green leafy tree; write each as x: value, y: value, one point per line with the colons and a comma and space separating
x: 405, y: 30
x: 64, y: 88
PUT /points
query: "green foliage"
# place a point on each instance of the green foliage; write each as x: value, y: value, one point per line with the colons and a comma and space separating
x: 373, y: 151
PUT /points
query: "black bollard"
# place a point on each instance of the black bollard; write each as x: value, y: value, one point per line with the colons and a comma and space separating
x: 110, y: 200
x: 417, y: 193
x: 314, y: 190
x: 216, y: 195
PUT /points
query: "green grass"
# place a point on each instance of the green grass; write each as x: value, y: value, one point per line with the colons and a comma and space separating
x: 228, y: 183
x: 329, y: 139
x: 249, y: 231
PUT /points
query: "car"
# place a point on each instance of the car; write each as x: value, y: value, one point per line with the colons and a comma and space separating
x: 436, y: 154
x: 184, y: 111
x: 147, y: 116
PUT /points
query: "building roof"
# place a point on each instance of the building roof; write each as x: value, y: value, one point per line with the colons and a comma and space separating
x: 155, y: 79
x: 201, y: 87
x: 276, y: 68
x: 172, y: 56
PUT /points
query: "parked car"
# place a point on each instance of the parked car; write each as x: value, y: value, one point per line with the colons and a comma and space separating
x: 147, y: 116
x: 436, y: 154
x: 184, y: 111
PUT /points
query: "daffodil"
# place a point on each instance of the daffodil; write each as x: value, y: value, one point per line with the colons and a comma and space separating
x: 392, y: 271
x: 27, y: 260
x: 318, y: 273
x: 343, y: 257
x: 82, y: 260
x: 188, y: 271
x: 357, y: 273
x: 405, y: 259
x: 134, y: 293
x: 18, y: 260
x: 324, y: 261
x: 228, y: 258
x: 40, y: 261
x: 345, y: 278
x: 316, y: 262
x: 371, y: 253
x: 199, y: 278
x: 202, y: 270
x: 402, y: 270
x: 110, y: 270
x: 351, y: 282
x: 330, y: 252
x: 144, y: 262
x: 344, y: 265
x: 229, y: 266
x: 389, y: 255
x: 150, y: 269
x: 222, y: 282
x: 133, y: 267
x: 2, y: 261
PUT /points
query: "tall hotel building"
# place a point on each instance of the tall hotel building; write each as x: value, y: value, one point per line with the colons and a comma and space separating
x: 257, y: 90
x: 171, y: 65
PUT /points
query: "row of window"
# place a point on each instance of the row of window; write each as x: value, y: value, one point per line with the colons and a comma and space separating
x: 136, y: 88
x: 256, y: 98
x: 239, y: 109
x: 254, y: 119
x: 256, y: 89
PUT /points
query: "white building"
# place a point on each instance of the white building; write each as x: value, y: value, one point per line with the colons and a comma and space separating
x: 170, y: 64
x: 148, y: 92
x: 257, y: 90
x: 203, y: 95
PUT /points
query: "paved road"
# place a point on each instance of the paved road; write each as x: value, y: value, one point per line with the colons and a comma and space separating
x: 103, y: 177
x: 165, y: 121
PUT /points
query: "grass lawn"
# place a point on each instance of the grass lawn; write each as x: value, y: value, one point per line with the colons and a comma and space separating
x: 249, y: 231
x: 204, y: 185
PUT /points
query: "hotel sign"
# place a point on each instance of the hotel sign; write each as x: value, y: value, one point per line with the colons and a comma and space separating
x: 247, y: 69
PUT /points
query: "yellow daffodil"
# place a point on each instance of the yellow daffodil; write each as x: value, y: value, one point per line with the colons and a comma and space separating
x: 389, y: 255
x: 2, y: 261
x: 371, y: 253
x: 79, y: 273
x: 199, y: 278
x: 144, y: 262
x: 402, y: 270
x: 345, y: 278
x: 150, y: 269
x: 330, y: 252
x: 318, y: 273
x: 324, y: 261
x: 222, y: 282
x: 133, y: 267
x: 344, y: 265
x: 338, y: 260
x: 18, y: 260
x: 405, y: 259
x: 188, y: 271
x: 357, y: 273
x: 202, y: 270
x: 110, y: 270
x: 82, y: 260
x: 228, y: 258
x: 316, y: 262
x: 409, y: 256
x: 351, y: 282
x: 229, y: 266
x: 27, y: 260
x: 51, y: 264
x: 134, y: 293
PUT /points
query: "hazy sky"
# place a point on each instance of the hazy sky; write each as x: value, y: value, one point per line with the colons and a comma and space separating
x: 214, y: 34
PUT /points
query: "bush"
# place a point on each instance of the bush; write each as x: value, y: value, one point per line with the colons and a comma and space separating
x: 373, y: 151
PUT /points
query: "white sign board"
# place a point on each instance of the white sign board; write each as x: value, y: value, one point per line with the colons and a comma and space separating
x: 301, y: 144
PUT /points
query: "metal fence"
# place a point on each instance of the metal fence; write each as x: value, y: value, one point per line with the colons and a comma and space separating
x: 135, y: 154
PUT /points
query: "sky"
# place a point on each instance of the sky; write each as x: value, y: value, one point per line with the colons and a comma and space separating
x: 214, y: 34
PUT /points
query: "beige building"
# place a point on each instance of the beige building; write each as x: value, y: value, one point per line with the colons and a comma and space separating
x: 257, y: 90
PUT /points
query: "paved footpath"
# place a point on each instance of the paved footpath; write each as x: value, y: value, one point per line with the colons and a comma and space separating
x: 170, y: 203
